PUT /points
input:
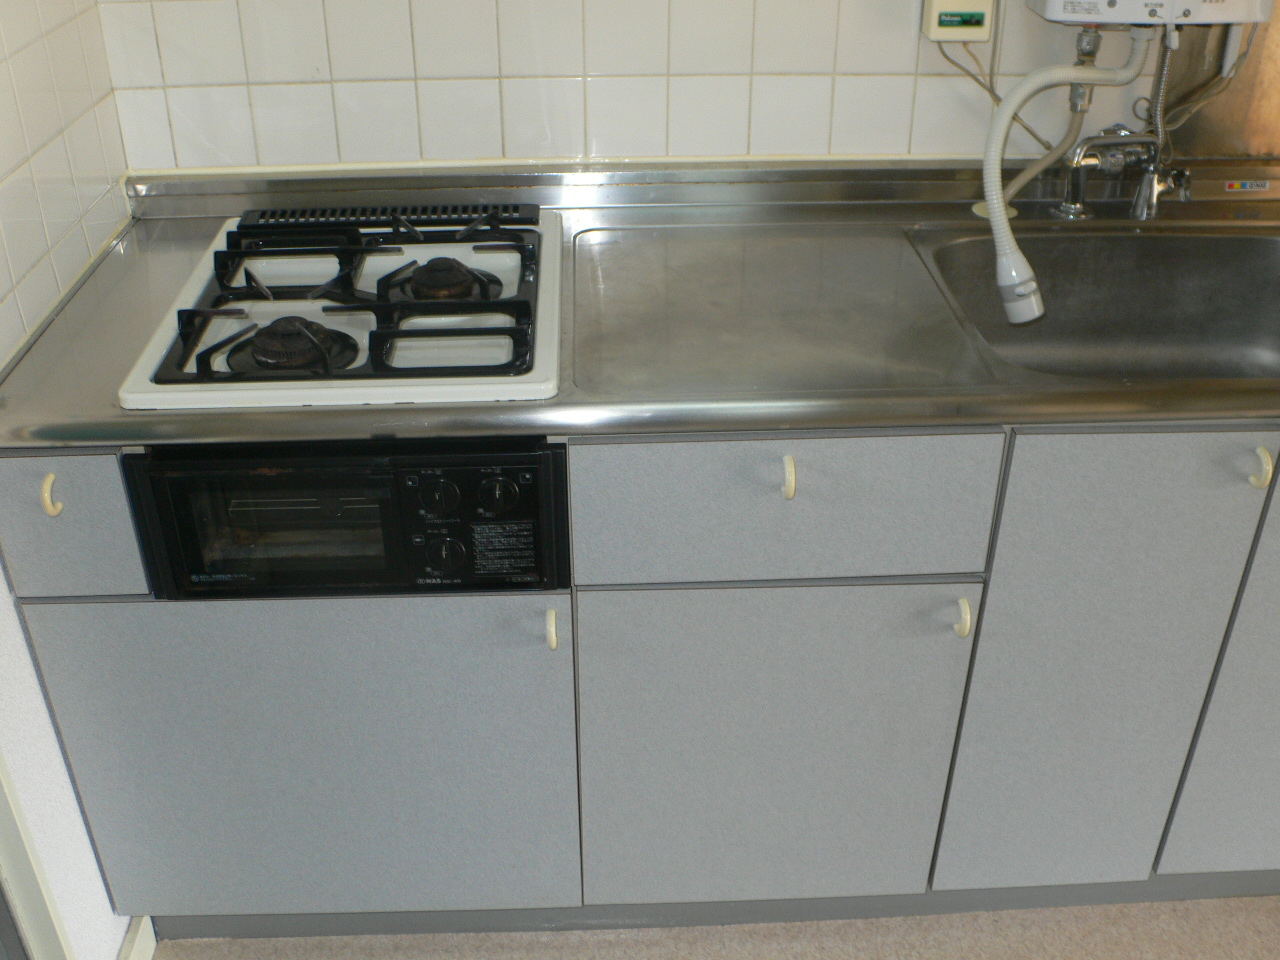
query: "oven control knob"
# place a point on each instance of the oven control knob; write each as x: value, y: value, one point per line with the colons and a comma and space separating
x: 440, y: 497
x: 445, y: 555
x: 498, y: 495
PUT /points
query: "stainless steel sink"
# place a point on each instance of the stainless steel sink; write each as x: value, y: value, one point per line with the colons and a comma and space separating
x: 1125, y: 303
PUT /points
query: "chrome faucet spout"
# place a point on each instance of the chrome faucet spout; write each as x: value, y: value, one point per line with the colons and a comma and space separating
x: 1112, y: 152
x: 1155, y: 183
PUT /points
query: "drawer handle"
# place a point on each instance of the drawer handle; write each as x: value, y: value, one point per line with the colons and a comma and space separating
x: 553, y: 639
x: 965, y: 626
x: 1263, y: 480
x: 789, y: 477
x: 46, y: 496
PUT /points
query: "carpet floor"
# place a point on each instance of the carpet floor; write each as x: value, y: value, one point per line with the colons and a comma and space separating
x: 1231, y: 929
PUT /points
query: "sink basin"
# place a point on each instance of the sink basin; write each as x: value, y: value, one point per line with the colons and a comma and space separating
x: 1125, y: 304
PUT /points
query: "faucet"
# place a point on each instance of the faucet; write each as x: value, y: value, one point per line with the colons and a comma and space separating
x: 1112, y: 152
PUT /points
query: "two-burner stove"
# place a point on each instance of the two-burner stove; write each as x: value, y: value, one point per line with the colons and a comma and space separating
x: 370, y: 306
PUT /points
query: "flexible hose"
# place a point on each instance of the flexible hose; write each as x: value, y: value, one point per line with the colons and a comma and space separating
x: 1048, y: 160
x: 1016, y: 279
x: 1159, y: 103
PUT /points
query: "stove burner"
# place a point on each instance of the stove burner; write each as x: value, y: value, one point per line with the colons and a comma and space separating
x: 294, y: 343
x: 444, y: 278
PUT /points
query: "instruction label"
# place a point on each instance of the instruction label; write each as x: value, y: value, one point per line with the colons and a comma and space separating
x: 505, y: 549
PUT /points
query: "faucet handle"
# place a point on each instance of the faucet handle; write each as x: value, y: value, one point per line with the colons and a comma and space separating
x: 1179, y: 183
x: 1117, y: 130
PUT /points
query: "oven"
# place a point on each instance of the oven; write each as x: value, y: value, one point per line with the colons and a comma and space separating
x: 357, y: 517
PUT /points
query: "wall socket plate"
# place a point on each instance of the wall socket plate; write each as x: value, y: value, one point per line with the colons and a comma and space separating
x: 958, y: 20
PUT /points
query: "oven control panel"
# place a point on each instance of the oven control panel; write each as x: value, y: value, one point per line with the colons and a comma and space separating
x: 474, y: 525
x: 352, y: 517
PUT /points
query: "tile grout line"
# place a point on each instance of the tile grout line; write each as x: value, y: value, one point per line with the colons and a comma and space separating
x: 502, y: 87
x: 333, y: 83
x: 835, y: 63
x: 751, y: 85
x: 585, y: 146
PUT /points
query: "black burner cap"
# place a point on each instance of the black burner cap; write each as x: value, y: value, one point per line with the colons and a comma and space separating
x: 291, y: 343
x: 442, y: 278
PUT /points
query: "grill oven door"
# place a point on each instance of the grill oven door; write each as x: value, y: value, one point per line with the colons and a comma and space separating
x: 245, y: 529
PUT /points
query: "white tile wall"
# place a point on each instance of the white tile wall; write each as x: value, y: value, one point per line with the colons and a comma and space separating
x: 541, y: 116
x: 627, y: 116
x: 871, y: 115
x: 790, y: 115
x: 795, y: 36
x: 369, y: 39
x: 460, y: 119
x: 212, y: 126
x: 402, y: 81
x: 294, y: 123
x: 378, y: 121
x: 712, y: 36
x: 626, y: 38
x: 200, y: 42
x: 708, y: 116
x: 285, y: 41
x: 467, y: 48
x: 540, y: 38
x: 61, y: 152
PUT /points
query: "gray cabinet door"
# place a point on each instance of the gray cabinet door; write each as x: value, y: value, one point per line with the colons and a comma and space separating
x: 300, y: 756
x: 1228, y: 816
x: 1116, y: 566
x: 765, y: 743
x: 714, y: 510
x: 89, y: 549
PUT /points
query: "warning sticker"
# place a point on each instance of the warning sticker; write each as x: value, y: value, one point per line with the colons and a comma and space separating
x: 505, y: 549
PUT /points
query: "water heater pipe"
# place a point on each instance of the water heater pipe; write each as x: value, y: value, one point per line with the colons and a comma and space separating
x: 1017, y: 281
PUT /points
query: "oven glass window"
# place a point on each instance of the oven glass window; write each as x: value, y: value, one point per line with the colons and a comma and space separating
x: 298, y: 528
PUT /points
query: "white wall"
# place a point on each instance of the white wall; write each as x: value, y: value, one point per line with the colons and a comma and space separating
x: 218, y: 83
x: 41, y: 789
x: 61, y: 164
x: 61, y: 157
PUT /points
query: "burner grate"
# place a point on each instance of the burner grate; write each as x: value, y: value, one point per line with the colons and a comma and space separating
x: 406, y: 295
x: 438, y: 215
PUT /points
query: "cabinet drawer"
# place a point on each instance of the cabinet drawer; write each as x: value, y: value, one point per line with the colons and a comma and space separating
x: 716, y: 511
x: 89, y: 549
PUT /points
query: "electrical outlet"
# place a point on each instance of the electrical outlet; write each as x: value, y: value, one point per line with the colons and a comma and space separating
x: 959, y: 20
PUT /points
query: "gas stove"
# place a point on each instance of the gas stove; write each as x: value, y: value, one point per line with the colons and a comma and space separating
x: 288, y: 308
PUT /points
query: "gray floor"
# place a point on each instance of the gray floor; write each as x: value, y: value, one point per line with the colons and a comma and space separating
x: 1231, y: 929
x: 10, y: 944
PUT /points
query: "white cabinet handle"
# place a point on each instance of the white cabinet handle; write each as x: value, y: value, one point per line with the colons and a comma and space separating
x: 46, y: 496
x: 965, y: 626
x: 789, y: 477
x: 553, y: 640
x: 1263, y: 480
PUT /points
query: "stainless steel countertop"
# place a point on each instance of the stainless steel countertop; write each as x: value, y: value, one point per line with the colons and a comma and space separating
x: 721, y: 300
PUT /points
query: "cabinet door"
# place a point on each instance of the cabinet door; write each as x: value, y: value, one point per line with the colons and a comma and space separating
x: 708, y: 511
x: 1117, y: 563
x: 300, y: 756
x: 1228, y: 817
x: 766, y: 743
x: 89, y: 549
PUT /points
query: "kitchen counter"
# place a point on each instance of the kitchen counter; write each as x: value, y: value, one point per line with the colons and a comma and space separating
x: 746, y: 299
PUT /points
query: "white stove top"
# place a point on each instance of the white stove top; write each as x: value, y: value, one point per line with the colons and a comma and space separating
x: 541, y: 381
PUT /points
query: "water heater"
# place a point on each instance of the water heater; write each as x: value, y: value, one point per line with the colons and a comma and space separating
x: 1153, y: 11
